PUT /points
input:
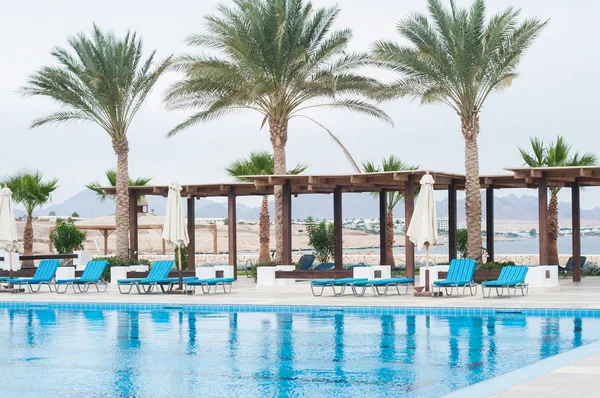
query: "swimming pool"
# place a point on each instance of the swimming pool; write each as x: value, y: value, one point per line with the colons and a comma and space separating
x: 99, y: 350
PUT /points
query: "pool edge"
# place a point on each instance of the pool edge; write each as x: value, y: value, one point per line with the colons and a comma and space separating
x: 522, y: 375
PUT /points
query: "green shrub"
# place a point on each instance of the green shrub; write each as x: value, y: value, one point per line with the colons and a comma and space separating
x: 590, y: 269
x: 119, y: 262
x: 321, y: 238
x: 67, y: 237
x: 184, y: 257
x: 495, y: 265
x: 461, y: 242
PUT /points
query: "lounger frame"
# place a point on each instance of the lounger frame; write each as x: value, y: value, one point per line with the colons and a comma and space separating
x: 191, y: 289
x: 524, y: 287
x: 82, y: 287
x: 377, y: 292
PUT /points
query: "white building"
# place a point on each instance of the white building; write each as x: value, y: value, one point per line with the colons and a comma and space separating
x: 443, y: 224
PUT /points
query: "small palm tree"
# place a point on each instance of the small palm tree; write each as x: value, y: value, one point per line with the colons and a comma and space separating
x: 260, y: 163
x: 103, y: 80
x: 32, y: 192
x: 275, y: 57
x: 391, y: 163
x: 457, y: 58
x: 555, y: 154
x: 111, y: 177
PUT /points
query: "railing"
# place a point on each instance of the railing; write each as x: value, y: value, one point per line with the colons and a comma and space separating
x: 48, y: 257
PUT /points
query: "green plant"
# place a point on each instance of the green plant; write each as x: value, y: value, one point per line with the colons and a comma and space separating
x: 111, y: 177
x: 52, y: 214
x: 75, y: 214
x: 31, y: 191
x: 590, y: 269
x: 184, y: 257
x: 495, y: 265
x: 321, y: 238
x: 555, y: 154
x: 104, y: 80
x: 276, y: 58
x: 260, y: 163
x: 67, y: 237
x: 458, y: 57
x: 120, y: 262
x: 461, y: 242
x: 391, y: 163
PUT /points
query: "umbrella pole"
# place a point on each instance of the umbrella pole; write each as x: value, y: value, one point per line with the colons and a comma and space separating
x: 426, y: 267
x: 180, y: 269
x: 10, y: 273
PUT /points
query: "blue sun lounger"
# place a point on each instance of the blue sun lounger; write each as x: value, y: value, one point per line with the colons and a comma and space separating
x: 510, y: 277
x: 44, y: 274
x: 206, y: 284
x: 157, y: 277
x: 375, y: 284
x: 460, y: 274
x: 324, y: 266
x: 91, y: 276
x: 333, y: 283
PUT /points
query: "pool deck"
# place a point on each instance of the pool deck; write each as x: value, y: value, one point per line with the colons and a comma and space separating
x: 573, y: 377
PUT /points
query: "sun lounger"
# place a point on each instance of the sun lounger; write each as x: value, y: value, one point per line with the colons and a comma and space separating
x: 569, y: 266
x: 460, y: 274
x: 91, y: 276
x: 306, y: 261
x: 44, y: 274
x: 510, y: 277
x: 375, y: 284
x: 206, y: 284
x: 324, y: 266
x: 158, y: 275
x: 333, y: 283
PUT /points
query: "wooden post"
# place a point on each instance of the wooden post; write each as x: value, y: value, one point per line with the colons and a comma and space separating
x: 489, y: 221
x: 543, y: 219
x: 337, y: 228
x: 105, y: 235
x: 383, y: 260
x: 232, y: 229
x: 191, y: 221
x: 133, y: 225
x: 452, y: 253
x: 286, y: 200
x: 164, y: 246
x: 409, y: 206
x: 576, y: 230
x: 214, y: 234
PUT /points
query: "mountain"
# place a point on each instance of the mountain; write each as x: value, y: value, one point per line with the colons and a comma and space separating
x: 355, y: 205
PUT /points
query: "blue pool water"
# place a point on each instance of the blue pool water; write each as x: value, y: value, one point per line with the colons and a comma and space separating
x: 170, y: 352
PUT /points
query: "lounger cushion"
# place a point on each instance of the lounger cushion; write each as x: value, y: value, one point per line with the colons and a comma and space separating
x: 337, y: 282
x: 385, y: 282
x: 211, y: 281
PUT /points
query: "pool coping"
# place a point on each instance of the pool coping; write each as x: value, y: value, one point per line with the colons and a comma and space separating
x: 522, y: 375
x: 375, y: 310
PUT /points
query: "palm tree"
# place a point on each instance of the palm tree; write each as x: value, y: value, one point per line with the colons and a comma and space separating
x: 391, y: 163
x: 111, y: 177
x: 457, y: 58
x: 103, y: 80
x: 278, y: 58
x: 555, y: 154
x: 30, y: 191
x: 260, y: 163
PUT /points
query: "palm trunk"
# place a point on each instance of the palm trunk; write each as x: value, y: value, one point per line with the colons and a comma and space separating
x: 265, y: 231
x: 553, y: 228
x: 28, y: 241
x: 278, y: 133
x: 389, y: 243
x: 470, y: 131
x: 121, y: 148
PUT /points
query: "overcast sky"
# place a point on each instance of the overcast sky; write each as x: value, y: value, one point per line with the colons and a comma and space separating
x: 556, y: 93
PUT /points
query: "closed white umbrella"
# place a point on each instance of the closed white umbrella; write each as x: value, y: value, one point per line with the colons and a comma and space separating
x: 422, y: 230
x: 174, y: 230
x: 8, y: 225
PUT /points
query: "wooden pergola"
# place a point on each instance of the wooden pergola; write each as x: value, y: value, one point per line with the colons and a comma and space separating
x: 406, y: 182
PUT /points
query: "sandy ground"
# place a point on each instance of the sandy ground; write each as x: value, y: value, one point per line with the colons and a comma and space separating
x: 150, y: 240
